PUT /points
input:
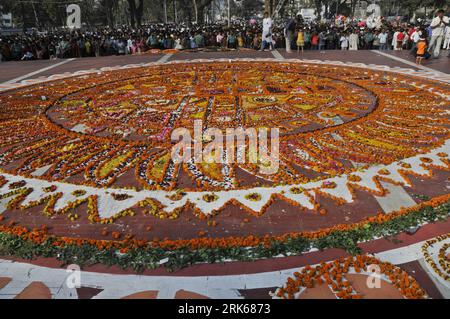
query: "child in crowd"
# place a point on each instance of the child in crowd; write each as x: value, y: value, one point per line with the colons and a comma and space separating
x: 300, y: 40
x: 421, y: 50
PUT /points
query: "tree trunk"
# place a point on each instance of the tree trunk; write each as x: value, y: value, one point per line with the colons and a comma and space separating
x: 140, y: 12
x: 165, y: 10
x: 22, y: 11
x: 175, y: 13
x: 201, y: 15
x: 132, y: 8
x: 353, y: 7
x: 36, y: 18
x: 109, y: 10
x: 196, y: 11
x: 199, y: 7
x: 318, y: 4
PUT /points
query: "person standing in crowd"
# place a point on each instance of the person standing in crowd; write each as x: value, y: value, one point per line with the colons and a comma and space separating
x: 231, y: 41
x: 88, y: 47
x: 307, y: 38
x: 400, y: 37
x: 408, y: 39
x: 447, y: 38
x: 256, y: 42
x: 331, y: 41
x: 437, y: 25
x: 314, y: 41
x: 178, y: 41
x: 405, y: 44
x: 289, y: 32
x: 376, y: 41
x: 219, y: 39
x: 421, y: 50
x: 368, y: 40
x: 129, y: 46
x: 415, y: 37
x: 199, y: 40
x: 192, y: 44
x: 353, y: 39
x: 96, y: 44
x: 348, y: 33
x: 383, y: 38
x: 322, y: 40
x: 344, y: 40
x: 267, y: 32
x: 240, y: 40
x: 300, y: 40
x: 121, y: 46
x: 395, y: 40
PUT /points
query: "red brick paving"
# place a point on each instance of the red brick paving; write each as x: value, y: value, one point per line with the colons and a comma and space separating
x: 220, y: 55
x: 441, y: 64
x: 438, y: 184
x: 143, y: 295
x: 11, y: 70
x: 415, y: 270
x: 35, y: 290
x: 385, y: 291
x: 321, y: 291
x: 87, y: 292
x: 4, y: 281
x: 362, y: 56
x: 258, y: 293
x: 14, y: 69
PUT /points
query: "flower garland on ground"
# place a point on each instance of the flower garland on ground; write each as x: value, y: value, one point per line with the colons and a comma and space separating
x: 442, y: 266
x: 334, y: 275
x: 140, y: 254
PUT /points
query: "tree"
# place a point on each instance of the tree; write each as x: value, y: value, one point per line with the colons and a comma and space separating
x: 136, y: 12
x: 199, y: 7
x: 106, y: 11
x: 251, y: 7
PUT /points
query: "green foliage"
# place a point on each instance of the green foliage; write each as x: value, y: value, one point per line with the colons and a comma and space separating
x: 150, y: 258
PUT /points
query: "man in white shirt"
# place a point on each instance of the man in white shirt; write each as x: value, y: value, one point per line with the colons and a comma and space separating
x: 383, y: 37
x: 438, y: 26
x: 353, y: 41
x: 394, y: 41
x: 219, y: 39
x: 267, y: 31
x: 344, y: 42
x: 415, y: 36
x: 447, y: 38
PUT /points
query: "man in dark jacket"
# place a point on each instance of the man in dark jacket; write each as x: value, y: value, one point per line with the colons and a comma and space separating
x: 289, y: 31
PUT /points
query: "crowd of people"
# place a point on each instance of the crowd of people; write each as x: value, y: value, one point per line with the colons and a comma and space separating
x: 343, y: 33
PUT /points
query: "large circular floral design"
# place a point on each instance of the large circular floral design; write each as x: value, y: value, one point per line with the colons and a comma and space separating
x: 95, y: 150
x: 149, y: 107
x: 114, y: 130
